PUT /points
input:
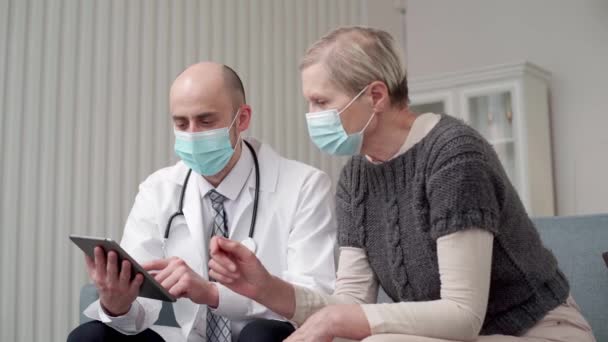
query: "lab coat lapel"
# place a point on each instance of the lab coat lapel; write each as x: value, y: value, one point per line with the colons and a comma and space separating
x: 269, y: 167
x: 239, y: 227
x: 193, y: 215
x: 191, y: 246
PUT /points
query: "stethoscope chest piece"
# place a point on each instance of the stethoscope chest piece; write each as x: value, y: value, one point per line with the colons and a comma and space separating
x: 250, y: 244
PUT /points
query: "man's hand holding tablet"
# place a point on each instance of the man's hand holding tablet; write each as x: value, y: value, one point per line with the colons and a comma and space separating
x: 116, y: 289
x: 118, y: 277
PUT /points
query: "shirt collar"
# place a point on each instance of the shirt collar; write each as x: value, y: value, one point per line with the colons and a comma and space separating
x: 235, y: 180
x: 422, y: 125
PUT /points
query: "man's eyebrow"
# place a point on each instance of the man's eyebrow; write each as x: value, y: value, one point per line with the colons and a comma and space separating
x: 201, y: 116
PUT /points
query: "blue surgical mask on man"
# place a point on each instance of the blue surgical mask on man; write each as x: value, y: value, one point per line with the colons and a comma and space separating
x: 206, y: 153
x: 327, y: 132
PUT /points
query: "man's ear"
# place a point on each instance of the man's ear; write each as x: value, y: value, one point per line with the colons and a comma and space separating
x: 244, y: 119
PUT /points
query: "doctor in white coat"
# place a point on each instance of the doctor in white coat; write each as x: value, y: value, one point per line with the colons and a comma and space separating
x: 294, y: 231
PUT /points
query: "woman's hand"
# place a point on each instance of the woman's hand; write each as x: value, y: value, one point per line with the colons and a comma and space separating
x: 347, y: 321
x: 317, y: 328
x: 237, y: 268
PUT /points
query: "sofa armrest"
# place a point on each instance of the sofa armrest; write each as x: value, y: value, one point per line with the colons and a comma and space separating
x: 88, y: 294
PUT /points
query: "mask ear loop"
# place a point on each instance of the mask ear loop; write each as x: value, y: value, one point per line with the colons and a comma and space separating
x: 368, y: 121
x: 238, y: 139
x: 353, y: 100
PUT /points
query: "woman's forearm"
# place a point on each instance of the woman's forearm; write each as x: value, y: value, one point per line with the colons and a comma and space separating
x: 465, y: 262
x: 356, y: 284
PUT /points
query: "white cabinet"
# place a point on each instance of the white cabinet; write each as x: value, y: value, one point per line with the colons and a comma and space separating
x: 509, y: 106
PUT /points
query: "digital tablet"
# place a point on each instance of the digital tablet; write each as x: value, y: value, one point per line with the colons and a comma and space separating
x: 150, y: 288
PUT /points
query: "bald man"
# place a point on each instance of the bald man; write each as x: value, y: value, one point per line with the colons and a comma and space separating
x: 294, y: 234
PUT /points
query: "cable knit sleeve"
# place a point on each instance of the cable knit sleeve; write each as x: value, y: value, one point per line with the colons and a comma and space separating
x: 465, y: 187
x: 350, y: 211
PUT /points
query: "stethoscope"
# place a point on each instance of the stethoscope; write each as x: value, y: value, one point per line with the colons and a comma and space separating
x: 249, y: 242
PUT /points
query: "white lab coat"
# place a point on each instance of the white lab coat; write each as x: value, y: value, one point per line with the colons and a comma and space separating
x: 295, y: 235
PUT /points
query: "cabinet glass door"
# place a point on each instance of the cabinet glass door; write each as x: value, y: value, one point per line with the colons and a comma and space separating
x: 492, y: 116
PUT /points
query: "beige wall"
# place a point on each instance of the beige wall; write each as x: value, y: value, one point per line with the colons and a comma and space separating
x: 568, y: 38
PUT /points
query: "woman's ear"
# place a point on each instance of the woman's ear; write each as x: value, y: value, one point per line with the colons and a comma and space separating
x: 380, y: 97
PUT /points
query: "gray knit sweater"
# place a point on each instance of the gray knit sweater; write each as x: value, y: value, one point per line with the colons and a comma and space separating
x: 451, y: 180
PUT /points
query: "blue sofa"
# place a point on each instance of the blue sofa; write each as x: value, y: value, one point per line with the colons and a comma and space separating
x: 578, y: 243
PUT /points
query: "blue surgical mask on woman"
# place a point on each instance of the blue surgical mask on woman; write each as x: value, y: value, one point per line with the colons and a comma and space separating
x: 327, y: 132
x: 206, y: 153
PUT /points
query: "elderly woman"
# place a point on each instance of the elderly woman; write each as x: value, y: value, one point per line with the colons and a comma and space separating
x: 424, y: 209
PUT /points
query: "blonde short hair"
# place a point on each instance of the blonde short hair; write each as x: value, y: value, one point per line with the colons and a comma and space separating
x: 355, y: 56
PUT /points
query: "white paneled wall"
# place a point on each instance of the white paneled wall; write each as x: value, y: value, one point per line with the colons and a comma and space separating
x: 84, y: 118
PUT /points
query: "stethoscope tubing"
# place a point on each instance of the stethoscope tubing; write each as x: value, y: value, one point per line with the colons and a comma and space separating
x: 256, y: 198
